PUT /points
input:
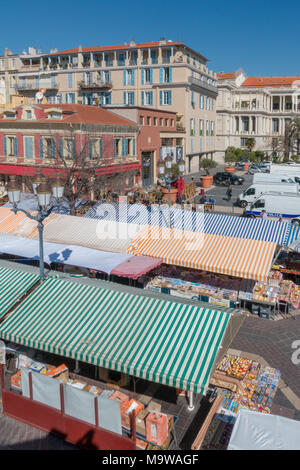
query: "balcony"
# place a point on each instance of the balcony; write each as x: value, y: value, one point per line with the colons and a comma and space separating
x: 97, y: 85
x: 36, y: 86
x: 202, y: 84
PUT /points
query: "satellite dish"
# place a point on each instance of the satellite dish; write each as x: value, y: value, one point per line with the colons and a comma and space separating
x: 39, y: 95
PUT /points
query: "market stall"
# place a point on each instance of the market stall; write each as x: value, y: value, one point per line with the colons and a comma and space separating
x: 238, y: 384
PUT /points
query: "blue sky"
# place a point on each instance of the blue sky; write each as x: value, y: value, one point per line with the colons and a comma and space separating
x: 260, y: 36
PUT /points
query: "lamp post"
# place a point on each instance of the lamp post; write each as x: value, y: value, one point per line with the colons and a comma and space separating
x: 43, y: 192
x: 164, y: 169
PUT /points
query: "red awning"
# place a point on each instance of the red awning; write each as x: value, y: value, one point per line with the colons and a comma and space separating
x: 136, y: 266
x: 23, y: 170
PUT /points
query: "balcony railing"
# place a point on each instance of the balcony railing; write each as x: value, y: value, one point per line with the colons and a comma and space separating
x: 99, y: 84
x: 202, y: 84
x: 36, y: 86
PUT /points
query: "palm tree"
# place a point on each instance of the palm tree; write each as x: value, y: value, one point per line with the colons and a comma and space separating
x: 250, y: 143
x: 294, y: 133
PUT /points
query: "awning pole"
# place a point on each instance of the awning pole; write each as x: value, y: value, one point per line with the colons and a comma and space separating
x: 191, y: 401
x: 77, y: 368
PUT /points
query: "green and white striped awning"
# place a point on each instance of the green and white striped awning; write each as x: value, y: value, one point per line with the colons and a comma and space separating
x: 161, y: 341
x: 13, y: 285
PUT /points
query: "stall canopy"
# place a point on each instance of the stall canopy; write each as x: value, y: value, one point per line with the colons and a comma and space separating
x: 248, y: 259
x: 110, y: 263
x: 182, y: 219
x: 136, y: 266
x: 259, y: 431
x: 158, y: 340
x: 13, y: 285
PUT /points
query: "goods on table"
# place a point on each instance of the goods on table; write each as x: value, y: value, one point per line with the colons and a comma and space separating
x: 127, y: 408
x: 15, y: 381
x: 219, y: 432
x: 285, y: 290
x: 263, y: 292
x: 295, y: 296
x: 274, y: 277
x: 258, y: 385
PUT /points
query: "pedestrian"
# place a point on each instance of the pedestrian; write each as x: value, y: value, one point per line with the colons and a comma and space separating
x: 180, y: 188
x: 264, y: 214
x: 229, y: 193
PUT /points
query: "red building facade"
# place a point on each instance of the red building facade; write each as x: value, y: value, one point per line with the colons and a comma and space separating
x: 50, y: 137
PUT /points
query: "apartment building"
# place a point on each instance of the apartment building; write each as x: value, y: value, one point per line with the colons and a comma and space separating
x: 258, y: 107
x: 164, y: 75
x: 55, y: 137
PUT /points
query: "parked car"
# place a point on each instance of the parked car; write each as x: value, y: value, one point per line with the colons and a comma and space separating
x: 258, y: 168
x: 225, y: 179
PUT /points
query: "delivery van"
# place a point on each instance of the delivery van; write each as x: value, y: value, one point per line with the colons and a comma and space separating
x: 276, y: 205
x: 285, y: 169
x: 255, y: 190
x: 274, y: 178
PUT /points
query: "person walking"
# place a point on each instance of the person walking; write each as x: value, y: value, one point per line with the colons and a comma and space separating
x: 229, y: 193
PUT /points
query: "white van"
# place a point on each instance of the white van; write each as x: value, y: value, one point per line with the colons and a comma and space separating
x: 276, y: 205
x: 255, y: 190
x: 286, y: 169
x: 274, y: 178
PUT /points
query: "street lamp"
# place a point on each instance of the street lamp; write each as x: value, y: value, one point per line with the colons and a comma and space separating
x: 43, y: 192
x: 164, y: 169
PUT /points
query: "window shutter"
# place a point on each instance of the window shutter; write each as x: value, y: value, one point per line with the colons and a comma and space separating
x: 5, y: 145
x: 161, y: 75
x: 53, y: 148
x: 70, y: 80
x: 61, y: 147
x: 124, y: 77
x: 169, y: 97
x: 151, y: 98
x: 133, y: 100
x: 90, y: 150
x: 115, y: 147
x: 41, y: 147
x: 143, y: 93
x: 160, y: 98
x: 132, y: 77
x: 151, y: 76
x: 16, y: 146
x: 124, y: 147
x: 142, y: 76
x: 124, y: 97
x: 133, y: 147
x: 100, y: 148
x: 170, y: 75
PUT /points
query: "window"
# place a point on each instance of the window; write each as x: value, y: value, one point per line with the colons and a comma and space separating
x: 10, y: 146
x: 70, y: 80
x: 47, y: 147
x: 178, y: 142
x: 9, y: 115
x: 275, y: 125
x: 67, y: 148
x: 146, y: 76
x: 148, y: 121
x: 243, y: 141
x: 154, y: 121
x: 192, y: 98
x: 117, y: 147
x: 245, y: 123
x: 192, y: 126
x: 28, y: 147
x: 212, y: 128
x: 201, y: 126
x: 54, y: 115
x: 201, y: 101
x: 129, y: 98
x: 128, y: 77
x: 121, y: 59
x: 165, y: 97
x: 128, y: 147
x: 166, y: 122
x: 147, y: 98
x: 95, y: 149
x: 165, y: 75
x: 237, y: 124
x: 28, y: 114
x: 154, y: 57
x: 207, y: 127
x: 70, y: 98
x: 161, y: 122
x: 142, y: 120
x: 253, y: 123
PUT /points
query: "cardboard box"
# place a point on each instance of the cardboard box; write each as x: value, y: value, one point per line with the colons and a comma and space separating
x: 157, y: 428
x: 15, y: 380
x: 140, y: 422
x: 154, y: 406
x: 78, y: 384
x: 132, y: 406
x: 121, y: 397
x: 61, y: 373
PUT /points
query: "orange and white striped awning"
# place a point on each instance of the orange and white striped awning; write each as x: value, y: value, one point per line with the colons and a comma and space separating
x: 244, y: 258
